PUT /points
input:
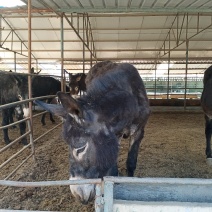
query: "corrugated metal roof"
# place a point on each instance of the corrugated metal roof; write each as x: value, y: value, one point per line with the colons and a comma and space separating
x: 137, y: 31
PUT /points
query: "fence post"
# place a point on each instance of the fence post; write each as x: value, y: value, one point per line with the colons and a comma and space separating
x: 108, y: 196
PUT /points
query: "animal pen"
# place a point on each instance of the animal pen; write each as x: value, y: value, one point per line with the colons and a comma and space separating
x: 167, y: 41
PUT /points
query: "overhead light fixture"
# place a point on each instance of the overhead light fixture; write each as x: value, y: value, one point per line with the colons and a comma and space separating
x: 11, y: 3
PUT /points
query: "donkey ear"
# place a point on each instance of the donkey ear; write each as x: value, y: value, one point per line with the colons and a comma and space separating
x: 52, y: 108
x: 70, y: 104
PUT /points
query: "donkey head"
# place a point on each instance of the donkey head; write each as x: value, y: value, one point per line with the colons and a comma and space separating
x: 93, y: 145
x: 74, y: 83
x: 22, y: 92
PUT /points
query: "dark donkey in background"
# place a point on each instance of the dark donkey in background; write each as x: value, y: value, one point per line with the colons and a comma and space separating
x: 77, y: 83
x: 13, y: 88
x: 206, y: 103
x: 114, y: 107
x: 44, y: 86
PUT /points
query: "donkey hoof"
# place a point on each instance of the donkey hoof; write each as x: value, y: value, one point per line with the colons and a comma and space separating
x: 7, y: 141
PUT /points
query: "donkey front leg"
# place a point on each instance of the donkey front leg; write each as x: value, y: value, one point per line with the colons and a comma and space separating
x: 133, y: 152
x: 5, y: 121
x: 50, y: 114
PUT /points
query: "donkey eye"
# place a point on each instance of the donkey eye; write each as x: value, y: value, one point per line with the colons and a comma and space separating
x: 76, y: 88
x: 79, y: 152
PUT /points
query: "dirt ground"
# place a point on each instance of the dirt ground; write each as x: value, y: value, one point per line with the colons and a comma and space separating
x: 173, y: 146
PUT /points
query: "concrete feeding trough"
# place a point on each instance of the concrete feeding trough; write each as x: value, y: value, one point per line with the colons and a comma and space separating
x: 157, y: 194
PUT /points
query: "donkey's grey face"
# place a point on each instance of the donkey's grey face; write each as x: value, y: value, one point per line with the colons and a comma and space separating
x: 80, y: 170
x: 83, y: 155
x: 93, y: 148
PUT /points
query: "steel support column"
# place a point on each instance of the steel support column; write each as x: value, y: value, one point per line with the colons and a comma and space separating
x: 83, y: 46
x: 155, y: 79
x: 62, y: 52
x: 186, y: 68
x: 30, y: 121
x: 15, y: 61
x: 168, y: 68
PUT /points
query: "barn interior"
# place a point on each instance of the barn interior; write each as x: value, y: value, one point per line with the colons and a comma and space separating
x: 168, y: 41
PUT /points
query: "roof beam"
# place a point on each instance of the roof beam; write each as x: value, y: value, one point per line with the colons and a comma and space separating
x: 20, y: 40
x: 50, y: 8
x: 47, y: 13
x: 111, y: 50
x: 145, y: 69
x: 179, y: 10
x: 105, y: 41
x: 58, y: 59
x: 134, y: 62
x: 103, y: 29
x: 184, y: 41
x: 86, y: 44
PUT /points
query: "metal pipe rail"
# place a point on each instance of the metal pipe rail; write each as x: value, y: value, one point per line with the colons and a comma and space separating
x: 97, y: 182
x: 15, y: 141
x: 29, y: 132
x: 178, y: 181
x: 35, y: 140
x: 49, y: 183
x: 14, y: 156
x: 27, y: 74
x: 19, y: 166
x: 25, y: 101
x: 17, y: 122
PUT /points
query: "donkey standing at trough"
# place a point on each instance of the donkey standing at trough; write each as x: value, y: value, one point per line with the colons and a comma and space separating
x: 206, y: 103
x: 12, y: 88
x: 114, y: 107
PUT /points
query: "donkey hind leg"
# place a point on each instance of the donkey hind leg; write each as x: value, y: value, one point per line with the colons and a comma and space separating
x: 44, y: 116
x: 43, y: 119
x: 50, y: 114
x: 208, y: 132
x: 133, y: 152
x: 5, y: 121
x: 51, y: 118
